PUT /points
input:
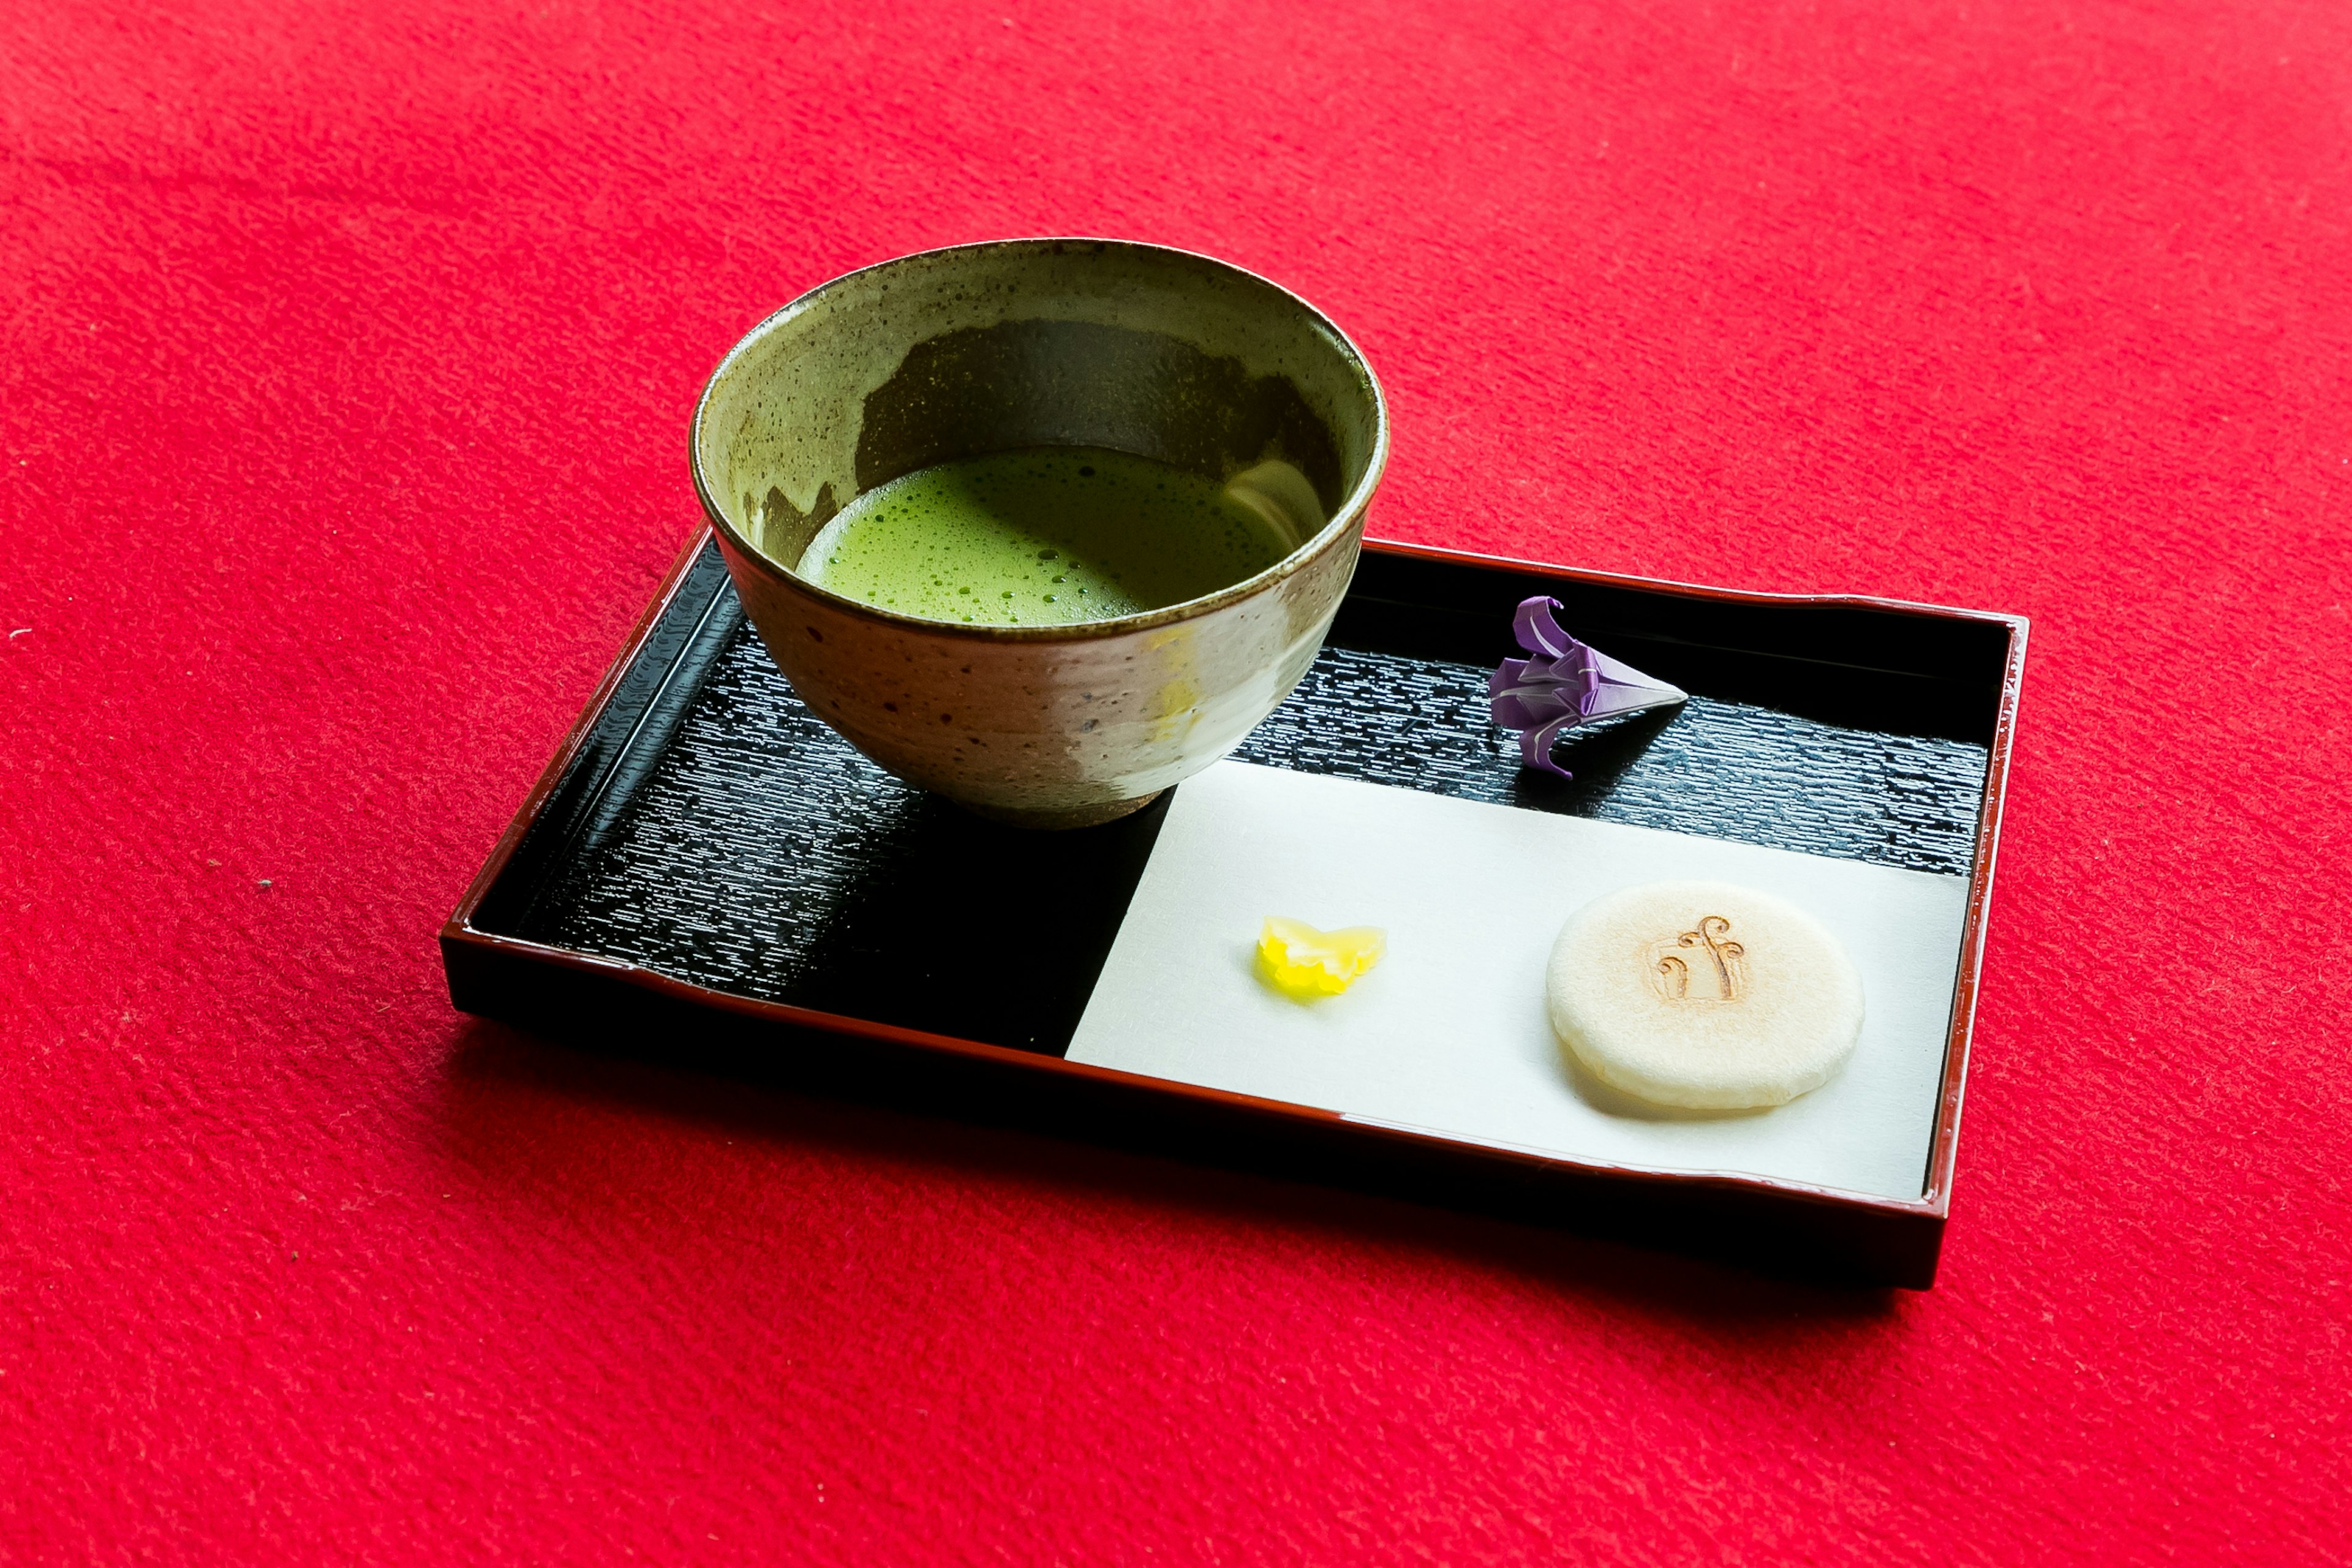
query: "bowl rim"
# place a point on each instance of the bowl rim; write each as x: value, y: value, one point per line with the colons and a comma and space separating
x: 1344, y: 523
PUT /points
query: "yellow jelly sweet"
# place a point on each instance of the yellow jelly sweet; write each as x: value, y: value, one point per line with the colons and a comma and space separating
x: 1303, y: 962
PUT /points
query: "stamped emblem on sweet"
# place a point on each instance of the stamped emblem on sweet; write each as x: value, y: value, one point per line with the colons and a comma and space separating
x: 1702, y: 965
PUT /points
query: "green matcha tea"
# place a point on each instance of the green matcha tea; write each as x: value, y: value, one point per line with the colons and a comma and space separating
x: 1045, y: 536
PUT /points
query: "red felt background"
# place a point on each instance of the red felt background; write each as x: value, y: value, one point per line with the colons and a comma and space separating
x: 345, y: 355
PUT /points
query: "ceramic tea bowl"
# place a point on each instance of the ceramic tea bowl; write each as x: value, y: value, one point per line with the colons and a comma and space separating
x: 983, y: 348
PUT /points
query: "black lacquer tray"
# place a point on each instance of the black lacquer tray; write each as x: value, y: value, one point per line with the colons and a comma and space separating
x: 707, y: 874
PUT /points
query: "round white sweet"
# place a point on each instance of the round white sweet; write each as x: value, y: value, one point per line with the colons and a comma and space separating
x: 1703, y: 995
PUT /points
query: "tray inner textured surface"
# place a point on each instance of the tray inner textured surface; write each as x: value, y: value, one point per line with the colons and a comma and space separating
x: 714, y: 830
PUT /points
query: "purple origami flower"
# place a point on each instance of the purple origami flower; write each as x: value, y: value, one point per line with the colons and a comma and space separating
x: 1565, y: 683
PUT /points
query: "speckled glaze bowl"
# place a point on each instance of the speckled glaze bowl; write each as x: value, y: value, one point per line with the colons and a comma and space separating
x: 982, y: 348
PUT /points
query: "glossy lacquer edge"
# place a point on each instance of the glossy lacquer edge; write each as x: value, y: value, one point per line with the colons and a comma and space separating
x: 1943, y: 1161
x: 1679, y: 590
x: 1931, y: 1207
x: 460, y: 922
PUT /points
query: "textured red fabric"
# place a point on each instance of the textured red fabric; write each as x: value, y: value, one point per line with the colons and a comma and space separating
x: 348, y: 353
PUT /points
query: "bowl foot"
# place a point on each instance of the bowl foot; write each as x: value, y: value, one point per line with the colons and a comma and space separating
x: 1070, y: 816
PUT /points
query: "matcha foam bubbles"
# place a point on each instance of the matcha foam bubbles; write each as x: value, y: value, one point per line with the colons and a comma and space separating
x: 1049, y: 536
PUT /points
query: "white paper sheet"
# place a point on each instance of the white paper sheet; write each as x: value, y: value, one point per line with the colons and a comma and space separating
x: 1450, y: 1033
